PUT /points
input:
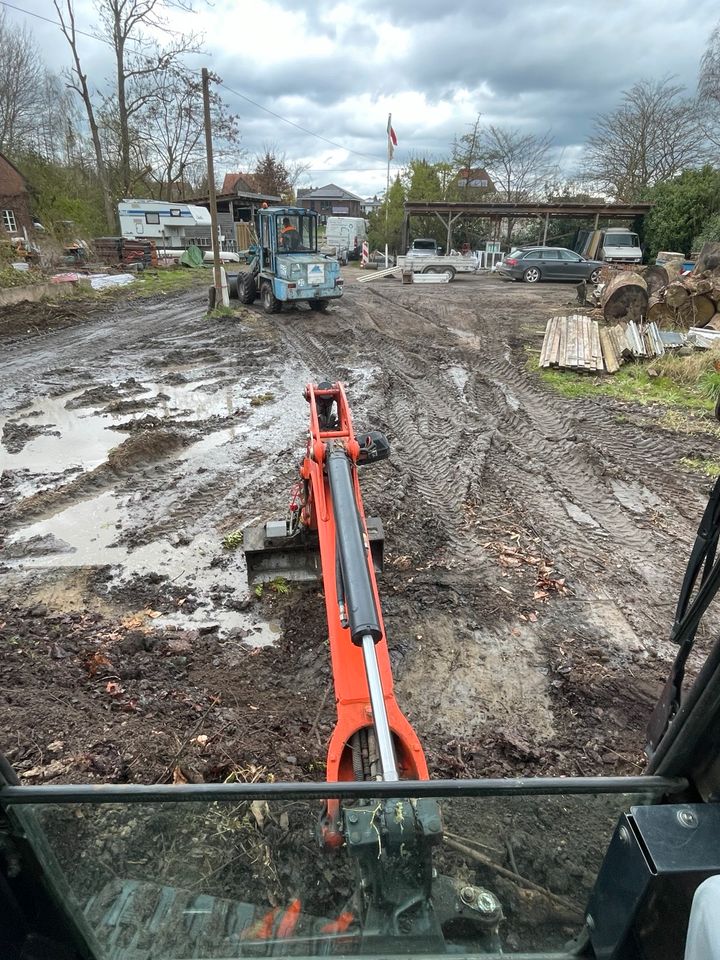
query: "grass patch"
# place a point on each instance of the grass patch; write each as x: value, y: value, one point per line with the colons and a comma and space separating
x: 153, y: 282
x: 231, y: 541
x: 692, y: 382
x: 709, y: 466
x: 261, y: 399
x: 220, y: 312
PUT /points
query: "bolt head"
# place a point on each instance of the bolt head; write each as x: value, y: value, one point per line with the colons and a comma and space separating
x: 467, y: 894
x: 353, y: 817
x: 486, y: 902
x: 687, y: 818
x: 590, y: 922
x: 624, y: 834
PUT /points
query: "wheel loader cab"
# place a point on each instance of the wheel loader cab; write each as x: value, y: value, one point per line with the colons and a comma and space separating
x: 288, y: 266
x: 288, y: 231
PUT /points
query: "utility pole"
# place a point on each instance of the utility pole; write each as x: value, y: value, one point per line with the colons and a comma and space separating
x: 221, y: 291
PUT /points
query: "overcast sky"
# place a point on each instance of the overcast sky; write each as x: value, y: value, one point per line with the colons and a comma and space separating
x: 339, y: 68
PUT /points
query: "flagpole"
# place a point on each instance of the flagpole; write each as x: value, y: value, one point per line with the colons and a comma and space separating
x: 387, y: 191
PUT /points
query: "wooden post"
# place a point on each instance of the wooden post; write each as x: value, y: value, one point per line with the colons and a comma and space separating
x: 597, y: 220
x: 545, y: 231
x: 221, y: 292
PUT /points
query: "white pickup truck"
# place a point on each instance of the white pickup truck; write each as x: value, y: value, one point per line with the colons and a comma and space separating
x: 425, y: 256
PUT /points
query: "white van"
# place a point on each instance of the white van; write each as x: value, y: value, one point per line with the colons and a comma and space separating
x: 346, y: 234
x: 620, y: 246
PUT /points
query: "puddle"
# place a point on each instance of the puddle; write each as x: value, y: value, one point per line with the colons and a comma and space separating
x: 84, y: 439
x: 90, y: 529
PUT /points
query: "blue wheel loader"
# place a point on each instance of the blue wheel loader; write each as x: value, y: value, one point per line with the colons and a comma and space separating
x: 286, y: 266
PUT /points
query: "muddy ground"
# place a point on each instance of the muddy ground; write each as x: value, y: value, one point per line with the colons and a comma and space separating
x: 534, y: 543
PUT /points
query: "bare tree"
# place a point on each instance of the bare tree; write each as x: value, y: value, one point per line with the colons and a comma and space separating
x: 467, y: 154
x: 79, y: 83
x: 21, y: 74
x: 709, y: 87
x: 171, y: 133
x: 137, y: 60
x: 655, y: 134
x: 520, y: 164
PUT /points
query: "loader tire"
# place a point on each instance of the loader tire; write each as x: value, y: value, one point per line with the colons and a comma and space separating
x: 270, y: 302
x: 246, y: 288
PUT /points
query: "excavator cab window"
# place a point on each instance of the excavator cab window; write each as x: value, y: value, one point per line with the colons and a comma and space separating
x: 245, y: 876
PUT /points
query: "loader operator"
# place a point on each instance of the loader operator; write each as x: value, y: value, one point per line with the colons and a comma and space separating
x: 289, y: 236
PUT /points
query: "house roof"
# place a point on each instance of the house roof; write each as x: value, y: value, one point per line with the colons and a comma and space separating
x: 476, y: 173
x: 247, y: 182
x: 11, y: 164
x: 331, y: 191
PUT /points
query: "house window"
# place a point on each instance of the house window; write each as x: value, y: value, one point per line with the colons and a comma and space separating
x: 9, y: 221
x: 152, y: 218
x: 478, y: 183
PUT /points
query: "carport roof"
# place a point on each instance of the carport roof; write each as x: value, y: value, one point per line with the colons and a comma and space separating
x: 620, y: 211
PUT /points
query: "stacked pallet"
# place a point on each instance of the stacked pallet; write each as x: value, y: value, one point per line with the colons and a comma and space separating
x: 579, y: 343
x: 572, y: 343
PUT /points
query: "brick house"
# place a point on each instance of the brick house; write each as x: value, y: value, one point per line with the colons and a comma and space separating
x: 475, y: 179
x: 331, y: 201
x: 14, y: 201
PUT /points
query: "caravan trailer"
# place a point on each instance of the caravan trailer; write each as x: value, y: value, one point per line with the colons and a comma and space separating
x: 161, y: 221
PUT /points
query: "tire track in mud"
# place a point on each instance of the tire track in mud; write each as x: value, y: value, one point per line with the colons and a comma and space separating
x: 540, y: 414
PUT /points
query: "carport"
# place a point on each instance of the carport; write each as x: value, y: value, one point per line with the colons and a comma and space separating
x: 449, y: 213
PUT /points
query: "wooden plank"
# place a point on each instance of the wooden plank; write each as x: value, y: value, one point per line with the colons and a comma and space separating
x: 546, y: 342
x: 570, y: 358
x: 582, y: 352
x: 558, y: 341
x: 596, y: 349
x: 572, y: 352
x: 555, y: 355
x: 608, y: 350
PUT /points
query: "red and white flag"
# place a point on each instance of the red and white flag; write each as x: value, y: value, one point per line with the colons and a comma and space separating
x: 392, y: 138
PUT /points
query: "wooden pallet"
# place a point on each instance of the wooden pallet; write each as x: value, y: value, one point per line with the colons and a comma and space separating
x: 572, y: 343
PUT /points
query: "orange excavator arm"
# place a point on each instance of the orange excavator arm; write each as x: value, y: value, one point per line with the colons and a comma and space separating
x: 372, y: 738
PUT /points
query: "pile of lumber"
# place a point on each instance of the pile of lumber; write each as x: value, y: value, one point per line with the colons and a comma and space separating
x: 579, y: 343
x: 572, y: 343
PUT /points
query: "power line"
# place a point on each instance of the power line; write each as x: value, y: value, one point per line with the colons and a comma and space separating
x: 310, y: 133
x: 297, y: 126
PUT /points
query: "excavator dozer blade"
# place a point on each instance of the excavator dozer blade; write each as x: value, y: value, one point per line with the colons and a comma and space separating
x: 272, y: 551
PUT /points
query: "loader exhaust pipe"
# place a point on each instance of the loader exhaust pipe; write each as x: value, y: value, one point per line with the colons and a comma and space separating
x: 359, y: 597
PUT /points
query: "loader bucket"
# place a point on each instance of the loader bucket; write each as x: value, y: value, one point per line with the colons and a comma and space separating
x: 271, y: 551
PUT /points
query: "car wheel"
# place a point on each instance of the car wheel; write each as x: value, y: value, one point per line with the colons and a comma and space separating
x: 246, y: 289
x: 320, y: 305
x: 595, y: 276
x: 270, y: 302
x: 531, y: 275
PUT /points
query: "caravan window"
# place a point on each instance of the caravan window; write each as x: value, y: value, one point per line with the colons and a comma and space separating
x: 175, y: 212
x: 152, y: 218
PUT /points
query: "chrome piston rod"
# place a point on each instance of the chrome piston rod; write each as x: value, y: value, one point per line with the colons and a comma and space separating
x: 380, y: 719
